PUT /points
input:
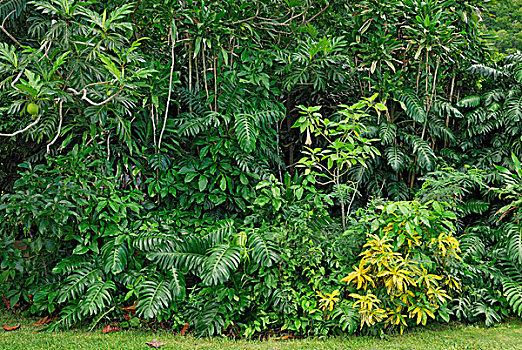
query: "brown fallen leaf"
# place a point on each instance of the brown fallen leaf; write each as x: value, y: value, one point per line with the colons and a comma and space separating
x: 130, y: 311
x: 284, y: 337
x: 184, y: 329
x: 129, y: 308
x: 11, y: 328
x: 109, y: 329
x: 154, y: 344
x: 42, y: 321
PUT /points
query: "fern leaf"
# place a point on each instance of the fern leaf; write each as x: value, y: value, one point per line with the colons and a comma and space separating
x: 493, y: 96
x: 387, y: 133
x: 475, y: 206
x: 70, y: 315
x: 268, y: 117
x: 443, y: 108
x: 425, y: 154
x: 15, y: 6
x: 472, y: 246
x: 209, y: 321
x: 222, y: 231
x: 487, y: 71
x: 470, y: 101
x: 8, y: 54
x: 177, y: 283
x: 71, y: 264
x: 348, y: 317
x: 397, y: 191
x: 514, y: 108
x: 166, y: 259
x: 151, y: 239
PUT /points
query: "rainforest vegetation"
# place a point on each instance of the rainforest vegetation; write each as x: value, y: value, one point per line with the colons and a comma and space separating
x: 505, y: 22
x: 262, y: 167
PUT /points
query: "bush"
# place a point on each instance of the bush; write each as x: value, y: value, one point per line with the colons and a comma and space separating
x: 403, y: 276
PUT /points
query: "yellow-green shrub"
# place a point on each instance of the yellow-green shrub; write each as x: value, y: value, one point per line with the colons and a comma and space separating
x: 403, y: 277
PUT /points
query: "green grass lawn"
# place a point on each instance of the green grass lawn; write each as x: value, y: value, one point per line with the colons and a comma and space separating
x: 503, y: 336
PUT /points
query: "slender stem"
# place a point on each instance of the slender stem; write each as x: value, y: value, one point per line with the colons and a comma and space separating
x: 418, y: 77
x: 451, y: 100
x: 205, y: 68
x: 338, y: 183
x: 153, y: 127
x: 215, y: 85
x: 22, y: 130
x: 353, y: 198
x: 60, y: 112
x: 432, y: 97
x: 172, y: 57
x: 2, y: 27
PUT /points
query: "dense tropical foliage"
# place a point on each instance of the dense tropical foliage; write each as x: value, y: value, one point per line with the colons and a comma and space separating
x: 258, y: 167
x: 504, y: 22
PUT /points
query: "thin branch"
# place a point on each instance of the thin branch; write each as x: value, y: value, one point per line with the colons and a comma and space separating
x: 172, y: 57
x: 247, y: 19
x: 215, y: 85
x: 353, y: 198
x: 153, y: 124
x: 84, y: 94
x: 85, y: 98
x: 60, y: 111
x: 2, y: 27
x: 22, y: 130
x: 203, y: 58
x: 16, y: 79
x: 108, y: 146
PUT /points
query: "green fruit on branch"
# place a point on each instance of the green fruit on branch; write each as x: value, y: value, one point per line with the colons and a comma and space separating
x: 32, y: 108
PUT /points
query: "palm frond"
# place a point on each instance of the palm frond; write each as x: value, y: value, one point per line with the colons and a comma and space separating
x: 15, y: 6
x: 513, y: 293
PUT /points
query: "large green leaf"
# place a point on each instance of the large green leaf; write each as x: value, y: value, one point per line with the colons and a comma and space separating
x: 97, y: 298
x: 115, y: 258
x: 414, y: 107
x: 77, y: 282
x: 513, y: 293
x: 222, y: 262
x: 514, y: 243
x: 395, y: 157
x: 264, y: 250
x: 154, y: 298
x: 246, y: 131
